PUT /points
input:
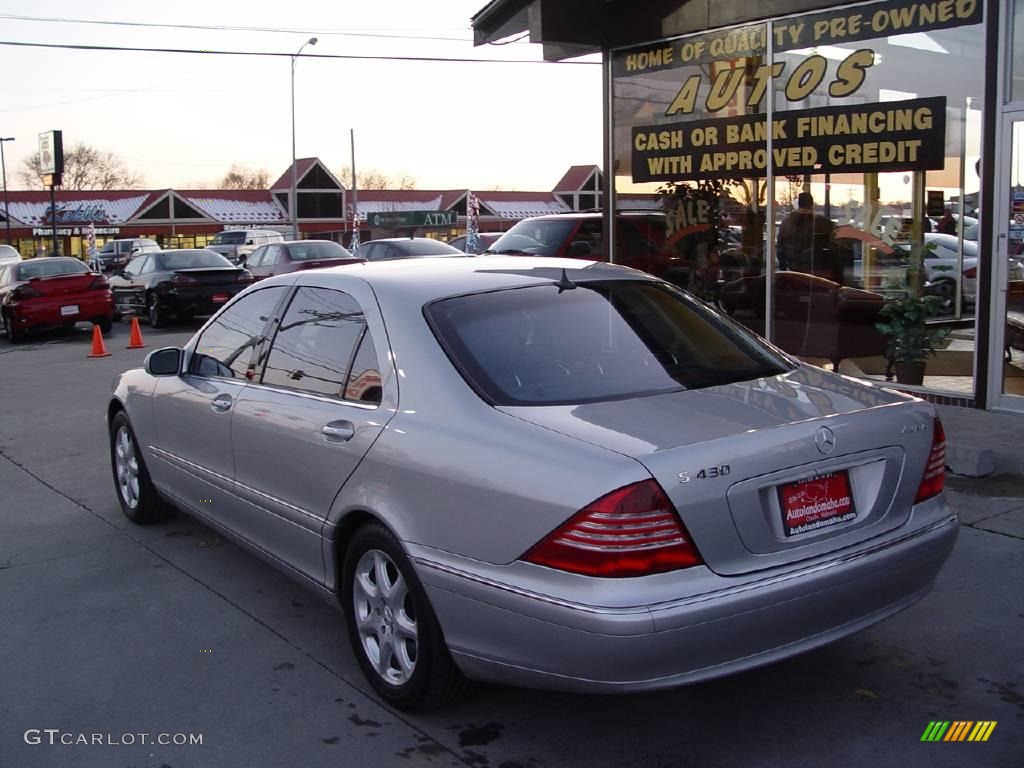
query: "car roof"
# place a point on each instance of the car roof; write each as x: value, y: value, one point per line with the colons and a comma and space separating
x: 415, y: 282
x: 403, y: 240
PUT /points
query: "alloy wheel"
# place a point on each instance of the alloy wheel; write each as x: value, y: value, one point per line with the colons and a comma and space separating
x: 385, y: 617
x: 126, y: 466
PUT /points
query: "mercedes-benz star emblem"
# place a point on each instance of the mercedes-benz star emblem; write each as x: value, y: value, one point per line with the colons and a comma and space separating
x: 825, y: 439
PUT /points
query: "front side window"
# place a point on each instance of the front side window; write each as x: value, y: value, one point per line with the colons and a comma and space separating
x: 315, y: 343
x: 256, y: 257
x: 271, y: 256
x: 226, y: 346
x: 600, y: 341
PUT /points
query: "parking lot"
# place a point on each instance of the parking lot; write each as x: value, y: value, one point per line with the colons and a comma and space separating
x: 114, y: 629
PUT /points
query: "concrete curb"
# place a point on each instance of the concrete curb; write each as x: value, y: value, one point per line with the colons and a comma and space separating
x: 981, y: 443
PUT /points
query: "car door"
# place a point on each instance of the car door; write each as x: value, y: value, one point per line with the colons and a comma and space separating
x: 128, y: 288
x: 192, y: 413
x: 300, y: 433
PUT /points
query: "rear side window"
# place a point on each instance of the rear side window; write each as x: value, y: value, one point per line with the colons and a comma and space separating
x: 225, y: 348
x: 316, y: 344
x: 601, y: 341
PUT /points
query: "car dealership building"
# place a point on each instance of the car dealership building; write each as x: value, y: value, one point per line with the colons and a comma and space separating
x: 903, y: 121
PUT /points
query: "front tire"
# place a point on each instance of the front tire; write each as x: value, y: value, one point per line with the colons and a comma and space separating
x: 391, y: 626
x: 157, y: 315
x: 14, y: 334
x: 139, y: 500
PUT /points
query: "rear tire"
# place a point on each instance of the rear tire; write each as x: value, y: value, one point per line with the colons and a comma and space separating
x: 135, y: 491
x: 392, y: 628
x: 105, y: 324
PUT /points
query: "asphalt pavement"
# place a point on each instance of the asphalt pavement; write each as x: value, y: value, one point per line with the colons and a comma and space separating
x: 111, y: 630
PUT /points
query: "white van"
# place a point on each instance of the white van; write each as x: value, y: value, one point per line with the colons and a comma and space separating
x: 236, y: 244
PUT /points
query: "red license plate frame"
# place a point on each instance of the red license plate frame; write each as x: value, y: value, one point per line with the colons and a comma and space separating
x: 819, y: 502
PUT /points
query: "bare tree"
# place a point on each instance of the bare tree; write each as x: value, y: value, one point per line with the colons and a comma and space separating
x: 371, y: 178
x: 243, y: 177
x: 85, y: 167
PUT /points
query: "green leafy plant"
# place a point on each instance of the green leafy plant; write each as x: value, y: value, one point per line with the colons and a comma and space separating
x: 910, y: 340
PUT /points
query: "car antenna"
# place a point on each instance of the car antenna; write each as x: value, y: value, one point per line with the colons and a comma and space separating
x: 564, y: 283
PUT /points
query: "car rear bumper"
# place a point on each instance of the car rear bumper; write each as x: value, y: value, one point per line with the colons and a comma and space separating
x: 199, y: 301
x: 502, y: 633
x: 43, y: 312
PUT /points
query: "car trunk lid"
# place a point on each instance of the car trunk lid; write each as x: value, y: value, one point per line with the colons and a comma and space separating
x: 771, y: 471
x: 211, y: 276
x: 55, y: 286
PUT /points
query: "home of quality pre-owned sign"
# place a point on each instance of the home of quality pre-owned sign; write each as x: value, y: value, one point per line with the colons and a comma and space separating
x: 891, y: 136
x: 885, y: 136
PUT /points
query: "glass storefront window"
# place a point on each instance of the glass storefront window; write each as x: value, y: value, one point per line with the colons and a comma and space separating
x: 836, y: 150
x: 1016, y: 52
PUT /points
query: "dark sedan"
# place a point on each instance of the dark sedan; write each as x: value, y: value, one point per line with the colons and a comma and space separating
x: 180, y: 283
x: 50, y: 293
x: 279, y: 258
x: 391, y: 248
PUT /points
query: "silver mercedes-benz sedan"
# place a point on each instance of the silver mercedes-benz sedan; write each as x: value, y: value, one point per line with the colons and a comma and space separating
x: 552, y: 473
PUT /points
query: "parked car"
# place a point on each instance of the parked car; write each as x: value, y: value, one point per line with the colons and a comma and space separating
x: 279, y: 258
x: 176, y: 283
x: 566, y: 474
x: 117, y: 253
x: 940, y: 263
x: 8, y: 255
x: 50, y: 293
x: 387, y: 249
x: 486, y: 239
x: 236, y: 244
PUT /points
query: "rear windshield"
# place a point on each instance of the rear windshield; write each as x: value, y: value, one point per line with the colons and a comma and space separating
x: 601, y: 341
x: 228, y: 238
x: 425, y: 248
x: 50, y: 267
x: 311, y: 251
x: 191, y: 260
x: 540, y: 237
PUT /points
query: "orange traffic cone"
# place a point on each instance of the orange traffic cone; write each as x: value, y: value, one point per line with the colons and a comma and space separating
x: 99, y: 349
x: 135, y: 340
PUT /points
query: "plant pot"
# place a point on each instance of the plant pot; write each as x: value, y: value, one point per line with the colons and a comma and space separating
x: 910, y: 373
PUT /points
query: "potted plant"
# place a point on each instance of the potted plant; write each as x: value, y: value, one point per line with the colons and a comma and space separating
x: 910, y: 340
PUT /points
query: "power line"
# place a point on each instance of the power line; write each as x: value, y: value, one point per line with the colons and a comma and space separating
x: 229, y: 28
x: 281, y: 54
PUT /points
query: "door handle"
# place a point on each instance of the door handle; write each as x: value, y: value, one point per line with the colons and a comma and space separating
x: 221, y: 403
x: 338, y: 431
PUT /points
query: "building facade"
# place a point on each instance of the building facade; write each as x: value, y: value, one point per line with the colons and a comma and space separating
x: 824, y: 160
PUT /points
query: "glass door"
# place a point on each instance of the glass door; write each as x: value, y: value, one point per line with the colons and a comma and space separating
x: 1008, y: 273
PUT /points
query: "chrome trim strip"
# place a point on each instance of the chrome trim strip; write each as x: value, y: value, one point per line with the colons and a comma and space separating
x: 241, y: 486
x: 311, y: 396
x: 694, y: 599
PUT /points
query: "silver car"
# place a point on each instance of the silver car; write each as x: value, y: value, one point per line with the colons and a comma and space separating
x: 545, y: 472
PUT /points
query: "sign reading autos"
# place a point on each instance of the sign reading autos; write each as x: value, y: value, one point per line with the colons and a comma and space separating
x: 710, y: 120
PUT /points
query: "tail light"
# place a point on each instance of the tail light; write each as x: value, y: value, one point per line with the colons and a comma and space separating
x: 633, y: 531
x: 24, y: 292
x: 99, y: 283
x: 971, y: 272
x: 183, y: 280
x: 934, y: 477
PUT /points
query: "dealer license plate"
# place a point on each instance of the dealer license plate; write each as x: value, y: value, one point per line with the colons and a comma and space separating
x: 220, y: 298
x: 70, y: 309
x: 820, y: 502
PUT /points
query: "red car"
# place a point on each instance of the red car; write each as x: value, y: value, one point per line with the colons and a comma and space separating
x: 50, y: 293
x: 295, y: 255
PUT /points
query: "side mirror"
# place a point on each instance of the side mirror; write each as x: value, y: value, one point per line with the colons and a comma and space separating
x: 242, y: 259
x: 250, y: 242
x: 164, y: 362
x: 579, y: 248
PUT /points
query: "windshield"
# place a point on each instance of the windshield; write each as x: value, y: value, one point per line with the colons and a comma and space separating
x: 540, y: 237
x: 228, y: 238
x: 172, y: 260
x: 312, y: 250
x: 600, y: 341
x: 50, y: 267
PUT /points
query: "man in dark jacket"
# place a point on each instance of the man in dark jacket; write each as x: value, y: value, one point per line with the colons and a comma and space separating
x: 803, y: 240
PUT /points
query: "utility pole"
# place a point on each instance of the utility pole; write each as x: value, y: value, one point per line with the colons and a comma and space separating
x: 355, y: 189
x: 3, y: 167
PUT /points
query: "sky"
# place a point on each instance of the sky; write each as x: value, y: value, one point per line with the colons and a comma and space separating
x: 183, y: 120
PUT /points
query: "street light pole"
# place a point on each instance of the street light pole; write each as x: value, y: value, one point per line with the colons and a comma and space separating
x: 293, y: 202
x: 3, y: 168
